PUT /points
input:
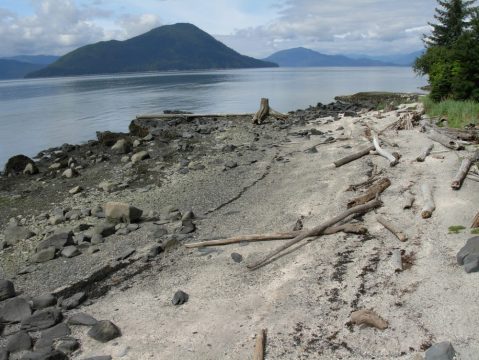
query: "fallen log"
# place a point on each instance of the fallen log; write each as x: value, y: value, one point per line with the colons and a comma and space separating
x: 445, y: 140
x: 475, y: 222
x: 318, y: 230
x: 371, y: 193
x: 346, y: 228
x: 393, y: 160
x: 428, y: 202
x: 370, y: 318
x: 396, y: 260
x: 408, y: 202
x: 260, y: 345
x: 388, y: 225
x: 352, y: 157
x: 425, y: 153
x: 461, y: 174
x: 265, y: 110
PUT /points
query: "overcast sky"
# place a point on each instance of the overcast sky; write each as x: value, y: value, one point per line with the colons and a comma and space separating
x: 252, y: 27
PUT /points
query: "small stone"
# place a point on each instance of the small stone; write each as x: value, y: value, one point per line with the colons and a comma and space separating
x: 126, y: 254
x: 104, y: 357
x: 121, y: 212
x: 104, y: 331
x: 228, y: 148
x: 187, y: 227
x: 104, y: 229
x: 133, y: 227
x: 231, y: 164
x: 21, y: 341
x: 41, y: 320
x: 180, y: 298
x: 125, y: 159
x: 68, y: 345
x: 97, y: 239
x: 237, y: 258
x: 56, y: 166
x: 75, y: 190
x: 122, y: 146
x: 44, y: 301
x: 93, y: 250
x: 189, y: 215
x: 30, y: 169
x: 82, y: 319
x: 107, y: 186
x: 441, y: 351
x: 73, y: 301
x: 136, y: 143
x: 15, y: 233
x: 148, y: 137
x: 139, y: 156
x: 70, y: 251
x: 15, y: 310
x: 7, y: 290
x: 123, y: 231
x: 44, y: 255
x: 159, y: 232
x: 70, y: 173
x: 57, y: 241
x: 56, y: 332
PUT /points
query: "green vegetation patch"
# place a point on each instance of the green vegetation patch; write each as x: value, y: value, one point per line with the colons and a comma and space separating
x: 379, y: 100
x: 456, y: 229
x: 458, y: 113
x: 475, y: 231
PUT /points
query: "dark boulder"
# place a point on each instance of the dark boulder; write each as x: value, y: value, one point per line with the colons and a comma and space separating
x: 104, y: 331
x: 16, y: 164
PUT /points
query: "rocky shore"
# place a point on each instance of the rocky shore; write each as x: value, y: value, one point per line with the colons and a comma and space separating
x: 94, y: 267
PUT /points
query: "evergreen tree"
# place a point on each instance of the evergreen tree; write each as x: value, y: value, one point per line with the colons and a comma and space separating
x: 451, y: 22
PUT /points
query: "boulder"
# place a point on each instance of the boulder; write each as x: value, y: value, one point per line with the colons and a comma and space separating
x: 441, y: 351
x: 103, y: 357
x: 30, y: 169
x: 121, y: 147
x: 180, y: 298
x: 139, y: 156
x: 58, y: 241
x: 44, y: 301
x: 109, y: 138
x: 56, y: 332
x: 15, y: 233
x: 15, y: 310
x: 105, y: 230
x: 7, y: 290
x: 469, y: 255
x: 21, y: 341
x: 16, y: 164
x: 121, y: 212
x: 68, y: 345
x: 104, y: 331
x: 44, y: 255
x: 41, y: 355
x: 73, y: 301
x: 82, y: 319
x: 41, y: 320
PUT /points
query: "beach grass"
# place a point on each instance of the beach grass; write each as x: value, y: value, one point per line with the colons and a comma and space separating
x: 458, y: 113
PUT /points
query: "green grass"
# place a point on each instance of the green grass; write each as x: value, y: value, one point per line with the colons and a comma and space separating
x: 456, y: 229
x: 475, y: 231
x: 458, y: 113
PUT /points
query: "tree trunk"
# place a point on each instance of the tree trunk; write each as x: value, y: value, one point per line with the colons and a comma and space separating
x: 263, y: 111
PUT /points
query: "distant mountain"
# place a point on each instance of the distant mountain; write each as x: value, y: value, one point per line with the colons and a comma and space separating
x: 12, y: 69
x: 302, y: 57
x: 171, y: 47
x: 35, y: 59
x: 397, y: 59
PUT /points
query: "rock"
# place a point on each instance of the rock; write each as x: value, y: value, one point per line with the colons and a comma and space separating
x: 123, y: 231
x: 184, y: 171
x: 121, y: 212
x: 57, y: 241
x: 97, y: 239
x: 15, y: 233
x: 125, y: 254
x: 109, y: 138
x: 121, y: 147
x: 180, y: 298
x: 70, y: 251
x: 7, y: 290
x: 41, y: 320
x: 469, y: 255
x: 105, y: 357
x: 237, y: 258
x: 187, y: 227
x: 148, y: 137
x: 104, y: 229
x: 16, y: 164
x: 44, y: 301
x: 54, y: 355
x: 136, y: 143
x: 57, y: 166
x: 21, y: 341
x: 104, y: 331
x: 56, y: 332
x: 189, y: 215
x: 159, y: 232
x: 15, y: 310
x: 70, y: 173
x: 441, y: 351
x: 4, y: 354
x: 73, y: 301
x: 81, y: 319
x: 68, y: 345
x: 56, y: 219
x: 228, y: 148
x: 231, y: 164
x: 75, y: 190
x: 30, y: 169
x: 139, y: 156
x: 107, y: 186
x: 93, y: 250
x: 133, y: 227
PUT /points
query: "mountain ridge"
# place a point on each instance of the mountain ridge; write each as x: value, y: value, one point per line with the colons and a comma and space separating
x: 13, y: 69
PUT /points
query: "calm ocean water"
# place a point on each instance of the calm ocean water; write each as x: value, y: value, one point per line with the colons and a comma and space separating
x: 41, y: 113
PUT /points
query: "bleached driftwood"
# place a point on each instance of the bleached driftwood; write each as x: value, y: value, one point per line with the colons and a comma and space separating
x: 346, y: 228
x: 425, y: 153
x: 260, y: 345
x: 264, y: 111
x: 384, y: 153
x: 352, y: 157
x: 396, y: 260
x: 317, y: 231
x: 428, y: 201
x: 388, y: 225
x: 475, y: 222
x: 370, y: 318
x: 371, y: 193
x: 445, y: 140
x: 408, y: 202
x: 461, y: 174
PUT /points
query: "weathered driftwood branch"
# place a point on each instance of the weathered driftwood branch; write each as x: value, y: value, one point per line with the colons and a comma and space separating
x: 428, y: 202
x: 396, y: 260
x: 318, y: 230
x: 352, y: 157
x: 445, y: 140
x: 425, y: 153
x: 260, y: 345
x: 408, y: 202
x: 368, y: 182
x: 264, y: 111
x: 475, y: 222
x: 384, y: 153
x: 371, y: 193
x: 346, y: 228
x: 388, y: 225
x: 370, y: 318
x: 461, y: 174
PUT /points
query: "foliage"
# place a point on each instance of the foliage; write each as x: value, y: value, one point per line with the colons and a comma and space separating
x: 458, y: 113
x: 456, y: 229
x: 475, y: 231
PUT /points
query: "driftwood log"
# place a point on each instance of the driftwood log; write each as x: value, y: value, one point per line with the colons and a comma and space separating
x: 388, y: 225
x: 428, y: 201
x: 352, y: 157
x: 370, y: 318
x: 346, y: 228
x: 425, y: 153
x: 445, y: 140
x: 396, y: 260
x: 265, y: 110
x: 393, y: 160
x: 260, y: 345
x: 475, y: 222
x: 371, y: 193
x: 317, y: 231
x: 408, y: 202
x: 461, y: 174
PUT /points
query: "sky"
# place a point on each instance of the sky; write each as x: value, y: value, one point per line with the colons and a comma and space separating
x: 252, y: 27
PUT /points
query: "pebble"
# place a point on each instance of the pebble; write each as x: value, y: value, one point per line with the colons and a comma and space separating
x: 237, y: 258
x: 187, y: 227
x: 104, y: 229
x: 75, y: 190
x: 122, y: 146
x: 70, y: 251
x: 70, y: 173
x: 231, y: 164
x: 104, y: 331
x: 107, y: 186
x: 139, y: 156
x: 122, y: 212
x: 180, y: 298
x: 7, y: 290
